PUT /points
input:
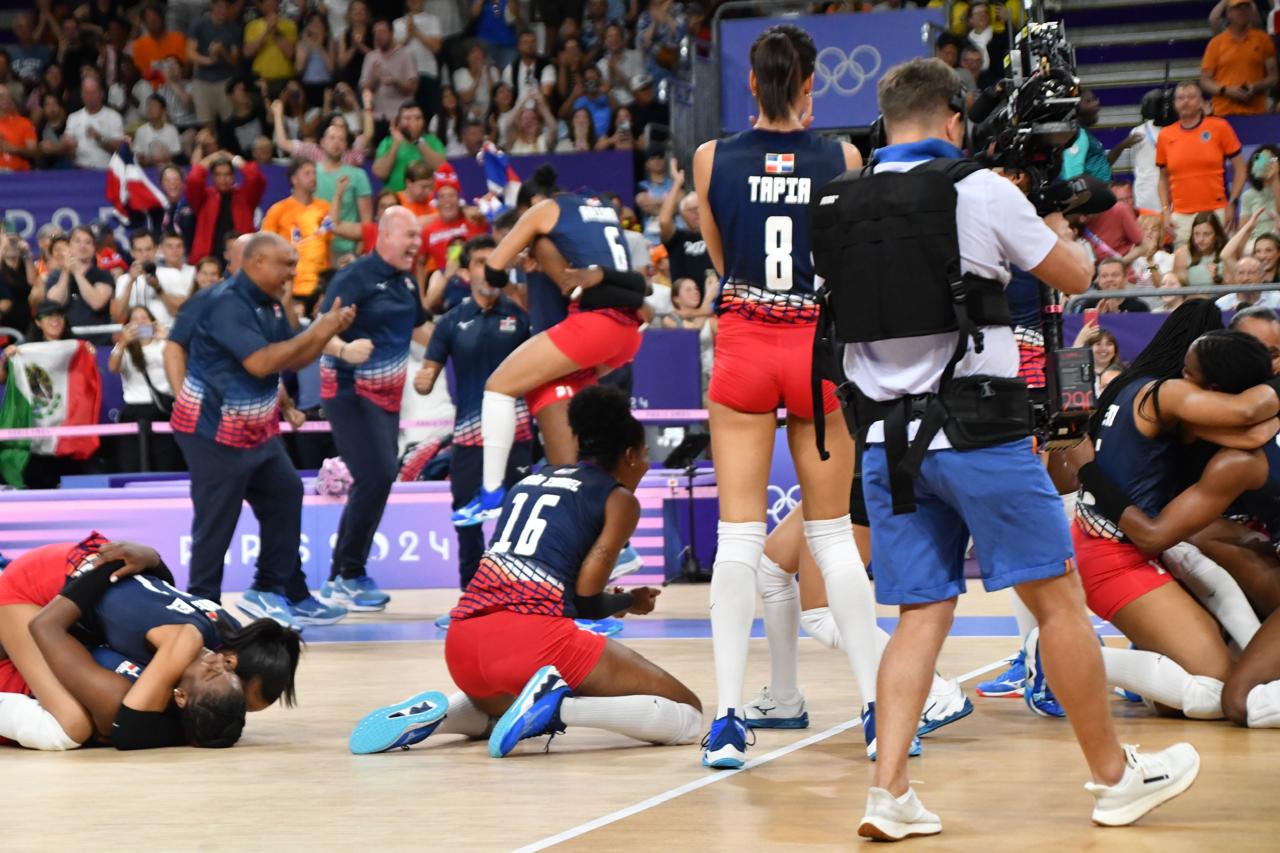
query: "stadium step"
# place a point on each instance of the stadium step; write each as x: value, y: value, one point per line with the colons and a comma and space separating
x: 1141, y: 33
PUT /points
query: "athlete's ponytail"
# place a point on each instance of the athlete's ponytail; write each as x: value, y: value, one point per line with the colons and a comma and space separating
x: 782, y: 58
x: 1232, y: 361
x: 542, y: 184
x: 268, y: 651
x: 601, y: 419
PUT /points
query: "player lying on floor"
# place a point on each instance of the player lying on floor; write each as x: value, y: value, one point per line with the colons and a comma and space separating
x: 523, y: 667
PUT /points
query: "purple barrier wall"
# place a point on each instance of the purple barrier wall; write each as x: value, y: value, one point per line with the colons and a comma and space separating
x: 667, y: 373
x: 1133, y: 331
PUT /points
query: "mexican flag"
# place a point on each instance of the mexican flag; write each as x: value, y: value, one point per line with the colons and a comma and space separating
x: 55, y: 383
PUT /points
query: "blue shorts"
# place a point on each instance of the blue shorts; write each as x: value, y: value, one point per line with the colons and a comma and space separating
x: 1001, y: 495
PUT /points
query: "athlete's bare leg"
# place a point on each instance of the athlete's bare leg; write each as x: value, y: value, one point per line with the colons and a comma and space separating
x: 535, y: 362
x: 1168, y: 621
x: 15, y: 636
x: 1260, y: 664
x: 622, y: 671
x: 558, y: 442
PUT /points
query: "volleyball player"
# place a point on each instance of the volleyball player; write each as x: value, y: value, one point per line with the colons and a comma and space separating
x: 753, y: 191
x: 513, y: 648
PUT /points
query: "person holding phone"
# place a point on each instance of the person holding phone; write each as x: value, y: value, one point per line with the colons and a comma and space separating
x: 138, y: 359
x: 17, y: 278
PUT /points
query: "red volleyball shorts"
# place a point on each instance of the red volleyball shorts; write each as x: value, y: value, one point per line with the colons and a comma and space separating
x: 761, y: 366
x: 1114, y: 573
x: 496, y: 654
x: 590, y: 339
x: 35, y: 578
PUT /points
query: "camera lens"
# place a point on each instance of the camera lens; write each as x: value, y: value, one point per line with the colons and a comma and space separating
x: 149, y: 268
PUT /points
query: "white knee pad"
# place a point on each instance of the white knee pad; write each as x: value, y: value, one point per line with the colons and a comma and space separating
x: 1202, y: 698
x: 740, y: 542
x: 28, y: 723
x: 819, y: 624
x: 775, y: 584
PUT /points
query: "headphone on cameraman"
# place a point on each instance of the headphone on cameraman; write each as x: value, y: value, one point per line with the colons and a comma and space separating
x: 877, y: 137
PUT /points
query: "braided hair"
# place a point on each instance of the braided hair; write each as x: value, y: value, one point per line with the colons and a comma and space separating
x: 601, y: 419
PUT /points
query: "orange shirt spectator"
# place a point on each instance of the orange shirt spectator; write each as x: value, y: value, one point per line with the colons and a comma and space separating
x: 1239, y: 65
x: 17, y: 134
x: 307, y: 227
x: 156, y: 43
x: 420, y: 209
x: 1194, y: 159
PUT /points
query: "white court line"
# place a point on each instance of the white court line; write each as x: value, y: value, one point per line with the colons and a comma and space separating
x: 714, y: 777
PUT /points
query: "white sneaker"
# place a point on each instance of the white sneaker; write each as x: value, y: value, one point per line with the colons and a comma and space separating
x: 767, y: 711
x: 1149, y: 780
x: 891, y: 818
x: 943, y: 708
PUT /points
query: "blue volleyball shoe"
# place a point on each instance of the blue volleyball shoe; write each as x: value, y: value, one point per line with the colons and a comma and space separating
x: 1008, y: 684
x: 399, y: 726
x: 535, y: 712
x: 603, y: 627
x: 629, y: 562
x: 443, y: 622
x: 869, y: 733
x: 1036, y: 692
x: 483, y: 507
x: 725, y: 746
x: 944, y: 708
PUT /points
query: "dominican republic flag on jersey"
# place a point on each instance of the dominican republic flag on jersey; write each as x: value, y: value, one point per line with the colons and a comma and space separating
x: 779, y: 164
x: 128, y: 187
x: 51, y: 384
x: 500, y: 178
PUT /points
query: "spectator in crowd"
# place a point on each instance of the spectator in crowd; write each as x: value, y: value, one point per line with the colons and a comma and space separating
x: 1266, y: 248
x: 317, y: 59
x: 620, y: 64
x: 946, y: 49
x: 214, y: 51
x: 355, y: 42
x: 106, y: 250
x: 389, y: 72
x: 1249, y: 270
x: 590, y: 94
x: 1146, y: 176
x: 446, y: 124
x: 179, y: 99
x: 419, y: 188
x: 156, y: 43
x: 646, y: 109
x: 1239, y: 65
x: 208, y: 273
x: 471, y: 137
x: 8, y: 80
x: 94, y: 130
x: 652, y: 189
x: 356, y: 204
x: 81, y: 287
x: 686, y: 247
x: 248, y: 120
x: 658, y: 35
x: 77, y: 54
x: 341, y: 99
x: 56, y: 147
x: 1218, y: 16
x: 51, y: 83
x: 419, y: 31
x: 493, y: 27
x: 300, y: 120
x: 595, y: 20
x: 156, y: 143
x: 28, y: 56
x: 301, y: 219
x: 971, y: 66
x: 173, y: 262
x: 270, y: 43
x: 502, y: 112
x: 688, y: 310
x: 18, y: 145
x: 1198, y: 263
x: 1260, y: 194
x: 1149, y: 268
x: 406, y: 144
x: 534, y: 130
x: 982, y: 34
x: 1115, y: 233
x: 225, y: 209
x: 161, y: 290
x: 1169, y: 302
x: 1106, y: 354
x: 52, y: 244
x: 474, y: 81
x: 138, y: 358
x: 176, y: 215
x: 17, y: 280
x: 582, y: 133
x: 452, y: 226
x: 1086, y: 154
x: 570, y: 63
x: 528, y: 72
x: 621, y: 135
x: 1112, y: 274
x: 129, y: 93
x: 1191, y: 154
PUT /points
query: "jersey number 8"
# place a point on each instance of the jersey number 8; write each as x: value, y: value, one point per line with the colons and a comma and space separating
x: 527, y: 542
x: 777, y: 253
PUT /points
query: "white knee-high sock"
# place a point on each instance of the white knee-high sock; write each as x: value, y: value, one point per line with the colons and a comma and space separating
x: 733, y: 606
x: 649, y: 718
x: 1160, y: 679
x: 819, y: 625
x: 24, y: 720
x: 848, y: 596
x: 1216, y: 590
x: 464, y: 718
x: 1262, y: 706
x: 781, y: 596
x: 1069, y: 505
x: 498, y: 432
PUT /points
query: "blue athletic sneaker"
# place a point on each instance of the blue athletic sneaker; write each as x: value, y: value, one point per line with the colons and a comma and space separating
x: 360, y: 594
x: 401, y: 725
x: 725, y: 746
x: 628, y: 563
x: 869, y: 732
x: 603, y: 627
x: 309, y: 611
x: 943, y: 708
x: 535, y: 712
x: 442, y: 622
x: 268, y: 605
x: 482, y: 507
x: 1008, y: 684
x: 1036, y: 692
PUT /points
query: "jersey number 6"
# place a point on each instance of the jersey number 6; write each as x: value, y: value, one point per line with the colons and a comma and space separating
x: 777, y: 253
x: 527, y: 542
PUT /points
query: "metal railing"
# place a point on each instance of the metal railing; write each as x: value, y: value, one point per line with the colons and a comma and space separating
x: 1219, y: 290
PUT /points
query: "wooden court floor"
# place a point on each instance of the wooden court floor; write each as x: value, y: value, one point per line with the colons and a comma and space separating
x: 1002, y: 778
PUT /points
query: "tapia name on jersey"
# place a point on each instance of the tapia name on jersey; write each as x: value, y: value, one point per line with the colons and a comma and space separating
x: 765, y: 189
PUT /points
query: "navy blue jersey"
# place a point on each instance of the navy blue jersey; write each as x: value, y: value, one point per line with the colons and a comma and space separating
x: 549, y: 522
x: 477, y: 341
x: 133, y: 606
x: 1146, y: 468
x: 108, y: 658
x: 547, y: 305
x: 589, y: 233
x: 388, y: 310
x: 761, y: 185
x: 1264, y: 504
x: 1023, y: 295
x: 184, y: 325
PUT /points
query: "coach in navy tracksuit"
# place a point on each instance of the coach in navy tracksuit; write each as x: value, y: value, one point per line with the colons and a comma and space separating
x: 477, y: 334
x: 362, y: 402
x: 226, y: 420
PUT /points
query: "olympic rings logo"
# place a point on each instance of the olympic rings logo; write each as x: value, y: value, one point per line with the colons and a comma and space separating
x: 845, y: 74
x: 782, y: 502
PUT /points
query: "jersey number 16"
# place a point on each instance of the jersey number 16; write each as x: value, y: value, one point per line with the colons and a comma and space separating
x: 532, y: 529
x: 777, y: 253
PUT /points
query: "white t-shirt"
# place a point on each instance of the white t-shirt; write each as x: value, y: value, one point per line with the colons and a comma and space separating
x: 135, y: 387
x: 167, y: 137
x: 524, y: 77
x: 89, y: 154
x: 172, y: 281
x: 462, y: 81
x: 429, y: 25
x: 997, y: 227
x: 1266, y: 299
x: 631, y: 64
x: 1146, y: 174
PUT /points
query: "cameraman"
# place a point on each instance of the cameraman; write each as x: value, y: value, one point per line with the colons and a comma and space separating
x: 145, y: 285
x: 1000, y: 494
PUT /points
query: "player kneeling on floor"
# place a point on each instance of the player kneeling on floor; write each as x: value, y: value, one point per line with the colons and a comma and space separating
x: 523, y: 667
